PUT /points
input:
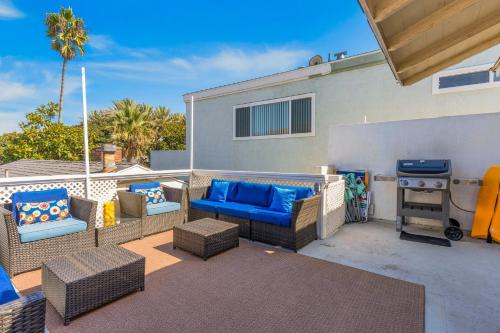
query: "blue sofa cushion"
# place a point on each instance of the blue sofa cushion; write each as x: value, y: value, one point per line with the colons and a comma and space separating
x: 253, y: 193
x: 36, y: 196
x: 7, y: 291
x: 302, y: 191
x: 143, y: 186
x: 218, y: 190
x: 39, y: 231
x: 206, y: 205
x: 272, y: 217
x: 283, y: 200
x: 162, y: 207
x: 236, y: 209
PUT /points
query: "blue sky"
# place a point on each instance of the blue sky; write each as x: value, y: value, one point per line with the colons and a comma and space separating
x: 154, y: 51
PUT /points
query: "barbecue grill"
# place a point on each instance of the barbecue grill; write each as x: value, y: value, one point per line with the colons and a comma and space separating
x: 426, y: 176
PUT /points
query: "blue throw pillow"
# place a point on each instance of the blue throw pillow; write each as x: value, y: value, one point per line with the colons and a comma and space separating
x: 7, y: 291
x: 40, y: 212
x: 283, y: 200
x: 151, y: 195
x: 218, y: 191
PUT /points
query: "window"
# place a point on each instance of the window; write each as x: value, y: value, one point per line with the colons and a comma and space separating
x: 284, y: 117
x: 463, y: 79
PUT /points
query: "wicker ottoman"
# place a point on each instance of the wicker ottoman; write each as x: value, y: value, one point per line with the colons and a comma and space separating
x: 206, y: 237
x: 85, y: 280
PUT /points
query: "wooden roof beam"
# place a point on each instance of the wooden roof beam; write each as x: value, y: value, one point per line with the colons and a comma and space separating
x: 406, y: 36
x: 457, y: 37
x: 481, y: 46
x: 386, y: 8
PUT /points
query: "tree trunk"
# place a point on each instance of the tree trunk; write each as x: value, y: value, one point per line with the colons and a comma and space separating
x: 59, y: 119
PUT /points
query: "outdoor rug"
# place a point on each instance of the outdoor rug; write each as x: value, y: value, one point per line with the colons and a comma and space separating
x: 253, y: 288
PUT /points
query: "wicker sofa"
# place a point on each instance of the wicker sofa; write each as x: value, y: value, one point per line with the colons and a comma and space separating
x: 300, y: 231
x: 133, y: 204
x: 17, y: 257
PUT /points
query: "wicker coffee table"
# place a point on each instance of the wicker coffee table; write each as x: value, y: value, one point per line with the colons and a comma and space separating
x: 206, y: 237
x: 82, y: 281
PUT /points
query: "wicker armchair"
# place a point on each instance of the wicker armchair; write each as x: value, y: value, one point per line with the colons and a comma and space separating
x: 301, y: 232
x: 133, y: 204
x: 25, y: 314
x: 17, y: 257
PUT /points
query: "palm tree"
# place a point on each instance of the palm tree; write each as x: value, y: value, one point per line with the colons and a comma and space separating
x: 68, y: 36
x: 132, y: 128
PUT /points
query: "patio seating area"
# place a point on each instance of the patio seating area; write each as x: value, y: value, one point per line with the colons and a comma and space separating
x: 249, y: 288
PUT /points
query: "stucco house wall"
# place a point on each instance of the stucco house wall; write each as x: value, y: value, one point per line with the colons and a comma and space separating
x: 357, y: 89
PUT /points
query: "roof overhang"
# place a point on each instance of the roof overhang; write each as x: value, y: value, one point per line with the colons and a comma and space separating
x: 420, y: 38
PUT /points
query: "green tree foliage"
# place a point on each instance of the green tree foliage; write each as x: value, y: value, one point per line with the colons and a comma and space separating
x: 136, y: 128
x: 68, y: 38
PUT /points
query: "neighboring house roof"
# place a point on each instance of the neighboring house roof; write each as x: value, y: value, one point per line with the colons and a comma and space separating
x: 25, y: 168
x: 304, y: 73
x: 420, y: 38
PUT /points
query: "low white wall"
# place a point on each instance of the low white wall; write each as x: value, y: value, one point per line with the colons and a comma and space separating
x: 471, y: 142
x: 169, y: 159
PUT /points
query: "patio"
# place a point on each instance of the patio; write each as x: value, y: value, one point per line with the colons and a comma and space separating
x: 251, y: 288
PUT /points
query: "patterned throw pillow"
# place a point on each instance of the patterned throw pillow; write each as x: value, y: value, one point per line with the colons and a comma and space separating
x: 37, y: 212
x: 152, y: 195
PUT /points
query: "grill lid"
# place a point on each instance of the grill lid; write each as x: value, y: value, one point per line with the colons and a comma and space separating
x: 426, y: 167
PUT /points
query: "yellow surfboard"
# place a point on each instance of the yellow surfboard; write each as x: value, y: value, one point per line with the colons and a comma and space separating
x: 495, y: 223
x: 486, y: 203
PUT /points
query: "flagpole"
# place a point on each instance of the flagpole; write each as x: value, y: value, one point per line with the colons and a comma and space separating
x: 85, y: 136
x: 191, y: 149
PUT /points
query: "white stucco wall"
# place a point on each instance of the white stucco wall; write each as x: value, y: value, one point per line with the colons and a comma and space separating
x: 471, y: 142
x: 169, y: 159
x: 341, y: 98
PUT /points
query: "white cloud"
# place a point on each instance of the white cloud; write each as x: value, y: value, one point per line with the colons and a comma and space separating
x: 11, y: 91
x: 103, y: 44
x: 8, y: 11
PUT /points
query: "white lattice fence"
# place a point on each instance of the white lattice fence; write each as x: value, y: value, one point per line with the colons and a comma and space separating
x: 74, y: 187
x: 102, y: 191
x: 333, y: 208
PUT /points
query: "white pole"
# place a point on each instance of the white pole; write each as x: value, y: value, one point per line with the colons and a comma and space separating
x: 191, y: 143
x: 85, y: 137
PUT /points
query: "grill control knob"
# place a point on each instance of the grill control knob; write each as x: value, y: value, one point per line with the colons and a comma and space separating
x: 439, y: 184
x: 405, y: 182
x: 421, y: 183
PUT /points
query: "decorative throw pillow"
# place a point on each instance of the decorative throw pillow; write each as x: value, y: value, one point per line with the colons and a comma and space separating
x: 152, y: 195
x: 283, y: 200
x: 37, y: 212
x: 218, y: 191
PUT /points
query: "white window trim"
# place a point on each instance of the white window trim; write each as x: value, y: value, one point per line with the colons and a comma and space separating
x: 465, y: 70
x: 277, y: 100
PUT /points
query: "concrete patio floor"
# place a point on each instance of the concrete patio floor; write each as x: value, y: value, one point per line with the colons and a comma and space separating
x: 462, y: 282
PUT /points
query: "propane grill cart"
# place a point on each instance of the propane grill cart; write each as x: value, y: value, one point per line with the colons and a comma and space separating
x: 426, y: 176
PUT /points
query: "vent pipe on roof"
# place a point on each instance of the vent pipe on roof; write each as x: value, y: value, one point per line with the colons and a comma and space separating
x: 6, y: 173
x: 340, y: 55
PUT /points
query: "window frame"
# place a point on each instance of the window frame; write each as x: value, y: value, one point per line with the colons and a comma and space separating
x: 465, y: 70
x: 288, y: 99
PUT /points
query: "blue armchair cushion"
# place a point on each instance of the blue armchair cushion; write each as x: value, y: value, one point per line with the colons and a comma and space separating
x: 206, y: 205
x: 39, y: 231
x: 39, y: 212
x: 152, y: 195
x: 143, y: 186
x: 253, y: 193
x: 7, y: 291
x: 36, y: 196
x: 236, y: 209
x: 283, y: 200
x: 162, y: 207
x: 302, y: 192
x: 272, y: 217
x: 218, y: 190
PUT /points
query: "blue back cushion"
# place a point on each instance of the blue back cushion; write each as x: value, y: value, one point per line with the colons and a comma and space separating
x: 283, y: 200
x: 231, y: 191
x: 143, y: 186
x: 302, y: 192
x: 35, y: 197
x: 7, y: 291
x: 253, y: 193
x: 218, y: 191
